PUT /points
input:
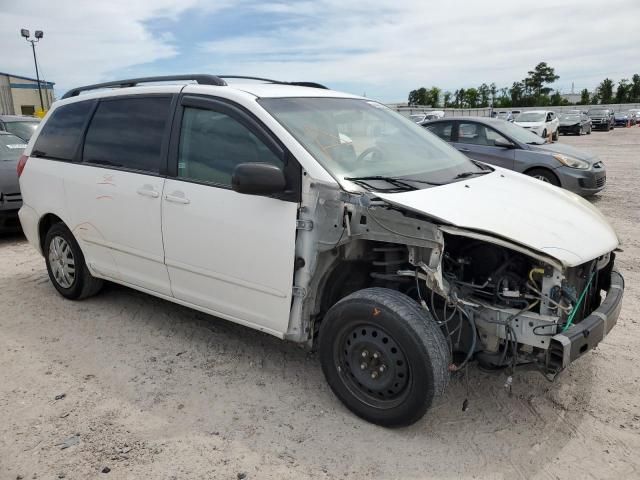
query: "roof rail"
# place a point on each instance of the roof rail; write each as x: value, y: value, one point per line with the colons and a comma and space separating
x: 279, y: 82
x: 198, y: 78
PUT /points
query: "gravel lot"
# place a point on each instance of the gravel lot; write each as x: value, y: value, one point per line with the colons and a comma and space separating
x: 153, y: 390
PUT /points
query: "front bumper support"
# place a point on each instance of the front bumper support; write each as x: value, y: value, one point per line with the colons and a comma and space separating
x: 567, y: 346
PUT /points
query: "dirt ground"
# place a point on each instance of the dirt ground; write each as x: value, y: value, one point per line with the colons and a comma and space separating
x: 149, y: 389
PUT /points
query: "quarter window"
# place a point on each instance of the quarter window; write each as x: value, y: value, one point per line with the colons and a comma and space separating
x: 128, y: 133
x: 212, y: 144
x: 61, y: 133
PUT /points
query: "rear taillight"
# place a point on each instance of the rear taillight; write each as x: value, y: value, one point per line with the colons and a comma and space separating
x: 21, y: 164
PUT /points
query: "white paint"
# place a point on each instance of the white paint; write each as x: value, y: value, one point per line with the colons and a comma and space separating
x: 230, y: 253
x: 521, y: 209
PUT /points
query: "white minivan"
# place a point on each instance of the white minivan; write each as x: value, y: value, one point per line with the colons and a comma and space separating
x: 321, y: 218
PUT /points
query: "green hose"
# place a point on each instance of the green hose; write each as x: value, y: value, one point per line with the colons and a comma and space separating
x: 575, y: 309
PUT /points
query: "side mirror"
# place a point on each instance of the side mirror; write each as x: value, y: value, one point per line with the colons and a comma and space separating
x: 258, y: 179
x: 504, y: 143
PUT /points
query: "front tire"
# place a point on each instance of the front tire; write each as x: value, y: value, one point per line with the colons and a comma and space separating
x: 544, y: 134
x: 544, y: 175
x: 554, y: 136
x: 383, y: 356
x: 66, y: 266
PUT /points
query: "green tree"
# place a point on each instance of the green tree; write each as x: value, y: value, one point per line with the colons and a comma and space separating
x: 494, y: 90
x: 605, y: 91
x: 504, y: 99
x: 433, y: 96
x: 623, y: 91
x: 484, y: 92
x: 584, y: 97
x: 461, y: 98
x: 556, y: 99
x: 516, y: 92
x: 634, y: 94
x: 447, y: 99
x: 472, y: 97
x: 418, y: 97
x: 540, y: 76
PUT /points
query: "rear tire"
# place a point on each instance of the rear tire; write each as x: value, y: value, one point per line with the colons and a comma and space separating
x: 383, y: 356
x: 554, y: 136
x: 66, y: 266
x: 544, y: 175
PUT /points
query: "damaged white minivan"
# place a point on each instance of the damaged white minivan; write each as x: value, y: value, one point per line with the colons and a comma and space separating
x: 324, y: 219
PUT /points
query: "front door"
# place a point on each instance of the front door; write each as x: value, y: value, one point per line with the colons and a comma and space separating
x: 477, y: 141
x: 231, y: 254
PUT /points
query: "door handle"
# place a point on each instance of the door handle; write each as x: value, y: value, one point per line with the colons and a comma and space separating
x: 177, y: 197
x: 147, y: 192
x: 461, y: 149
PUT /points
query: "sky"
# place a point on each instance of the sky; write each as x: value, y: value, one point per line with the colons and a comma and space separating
x: 378, y: 49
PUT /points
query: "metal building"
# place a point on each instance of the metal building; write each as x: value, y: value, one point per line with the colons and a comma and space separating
x: 19, y: 95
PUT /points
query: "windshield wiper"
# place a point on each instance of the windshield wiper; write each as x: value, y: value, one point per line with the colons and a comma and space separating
x: 399, y: 183
x: 470, y: 174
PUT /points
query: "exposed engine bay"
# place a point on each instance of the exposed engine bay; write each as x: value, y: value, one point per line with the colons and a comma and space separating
x: 516, y: 302
x: 495, y: 301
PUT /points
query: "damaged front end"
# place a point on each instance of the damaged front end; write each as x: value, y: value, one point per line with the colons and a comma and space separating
x: 528, y: 308
x: 497, y: 301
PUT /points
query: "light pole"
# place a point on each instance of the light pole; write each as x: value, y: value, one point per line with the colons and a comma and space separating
x: 38, y: 34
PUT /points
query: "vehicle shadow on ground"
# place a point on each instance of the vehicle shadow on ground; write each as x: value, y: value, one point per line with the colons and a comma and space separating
x: 498, y: 433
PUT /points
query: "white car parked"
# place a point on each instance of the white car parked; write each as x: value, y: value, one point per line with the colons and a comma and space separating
x: 321, y: 218
x: 540, y: 122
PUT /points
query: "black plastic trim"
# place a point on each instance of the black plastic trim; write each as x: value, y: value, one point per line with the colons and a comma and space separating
x: 566, y: 347
x: 132, y: 82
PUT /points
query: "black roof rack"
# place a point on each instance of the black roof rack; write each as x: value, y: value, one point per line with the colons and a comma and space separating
x: 198, y: 78
x: 279, y: 82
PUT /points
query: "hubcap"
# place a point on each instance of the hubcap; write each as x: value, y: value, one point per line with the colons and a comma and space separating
x: 542, y: 178
x: 373, y: 366
x: 62, y: 262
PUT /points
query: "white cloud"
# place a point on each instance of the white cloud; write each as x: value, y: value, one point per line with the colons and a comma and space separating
x: 383, y: 48
x: 85, y: 41
x: 449, y: 44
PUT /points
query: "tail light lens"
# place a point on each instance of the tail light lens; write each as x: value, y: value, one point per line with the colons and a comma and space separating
x: 22, y: 162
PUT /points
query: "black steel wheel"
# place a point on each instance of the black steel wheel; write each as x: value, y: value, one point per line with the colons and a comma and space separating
x: 384, y: 356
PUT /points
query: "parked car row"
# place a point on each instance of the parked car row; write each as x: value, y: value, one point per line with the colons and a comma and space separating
x: 328, y: 220
x: 577, y: 122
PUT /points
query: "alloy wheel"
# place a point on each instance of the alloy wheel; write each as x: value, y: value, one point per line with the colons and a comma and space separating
x: 62, y: 263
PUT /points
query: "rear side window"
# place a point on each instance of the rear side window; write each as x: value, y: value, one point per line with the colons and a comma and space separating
x: 128, y: 133
x: 60, y: 135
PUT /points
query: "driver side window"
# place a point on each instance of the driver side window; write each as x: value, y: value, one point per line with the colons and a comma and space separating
x: 212, y: 144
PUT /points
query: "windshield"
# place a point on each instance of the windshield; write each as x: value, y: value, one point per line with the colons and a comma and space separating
x: 518, y: 133
x: 597, y: 111
x: 531, y: 117
x: 11, y: 147
x: 417, y: 118
x: 570, y: 116
x: 23, y: 130
x: 361, y: 138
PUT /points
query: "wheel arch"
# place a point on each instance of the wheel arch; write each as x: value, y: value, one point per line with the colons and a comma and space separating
x: 45, y: 223
x: 545, y: 168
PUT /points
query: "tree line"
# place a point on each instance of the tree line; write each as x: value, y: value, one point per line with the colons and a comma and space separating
x: 532, y: 91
